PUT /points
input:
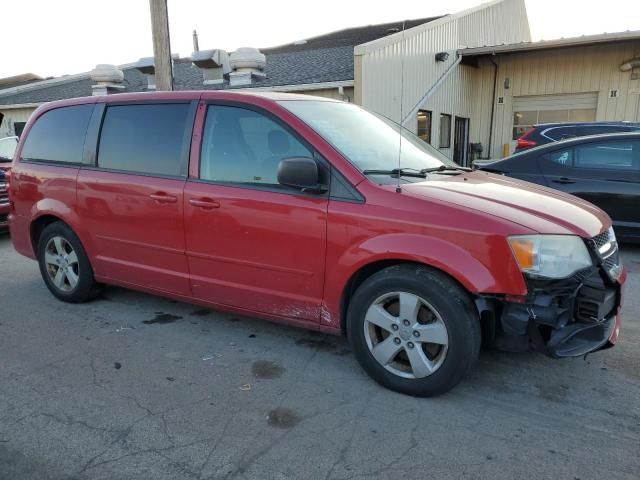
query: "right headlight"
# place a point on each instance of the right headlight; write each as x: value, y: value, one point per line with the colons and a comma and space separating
x: 550, y: 256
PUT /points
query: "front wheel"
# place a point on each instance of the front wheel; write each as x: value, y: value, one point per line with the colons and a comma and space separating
x: 64, y: 264
x: 414, y: 330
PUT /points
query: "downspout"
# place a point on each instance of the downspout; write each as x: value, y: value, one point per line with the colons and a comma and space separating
x: 432, y: 90
x: 493, y: 105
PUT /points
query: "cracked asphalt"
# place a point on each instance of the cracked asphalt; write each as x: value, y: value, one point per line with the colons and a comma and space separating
x: 135, y: 386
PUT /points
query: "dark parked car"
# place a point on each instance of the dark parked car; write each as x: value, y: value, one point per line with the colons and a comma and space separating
x: 553, y: 132
x: 603, y: 169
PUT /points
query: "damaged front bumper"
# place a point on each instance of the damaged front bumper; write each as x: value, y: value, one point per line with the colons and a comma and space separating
x: 563, y: 318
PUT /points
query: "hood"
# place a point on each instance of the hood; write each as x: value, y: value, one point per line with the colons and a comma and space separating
x: 535, y: 207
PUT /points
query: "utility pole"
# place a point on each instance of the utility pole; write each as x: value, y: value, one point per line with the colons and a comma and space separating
x: 161, y: 44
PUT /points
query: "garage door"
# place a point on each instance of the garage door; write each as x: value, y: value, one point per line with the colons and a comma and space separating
x: 529, y: 111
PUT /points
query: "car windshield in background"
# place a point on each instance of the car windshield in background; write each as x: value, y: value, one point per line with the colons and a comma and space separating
x: 369, y: 141
x: 7, y: 148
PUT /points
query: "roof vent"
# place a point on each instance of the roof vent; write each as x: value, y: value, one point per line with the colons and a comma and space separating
x: 146, y: 66
x: 246, y: 64
x: 213, y: 63
x: 107, y: 78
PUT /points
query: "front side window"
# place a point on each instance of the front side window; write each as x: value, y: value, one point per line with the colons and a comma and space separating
x: 244, y: 146
x: 561, y: 157
x: 619, y: 155
x: 144, y: 138
x: 445, y: 130
x: 58, y: 135
x: 368, y: 141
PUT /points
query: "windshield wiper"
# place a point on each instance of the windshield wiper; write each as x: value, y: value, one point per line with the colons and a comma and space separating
x: 403, y: 172
x: 445, y: 168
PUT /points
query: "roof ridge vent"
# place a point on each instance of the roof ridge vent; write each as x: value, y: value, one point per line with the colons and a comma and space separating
x: 108, y: 78
x: 247, y: 64
x: 213, y: 63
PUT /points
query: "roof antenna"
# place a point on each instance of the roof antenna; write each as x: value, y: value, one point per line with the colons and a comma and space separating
x: 398, y: 189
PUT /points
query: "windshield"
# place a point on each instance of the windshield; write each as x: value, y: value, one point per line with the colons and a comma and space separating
x: 369, y: 141
x: 7, y: 148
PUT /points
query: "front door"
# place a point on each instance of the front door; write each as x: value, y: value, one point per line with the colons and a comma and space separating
x: 461, y: 142
x: 251, y: 243
x: 131, y: 203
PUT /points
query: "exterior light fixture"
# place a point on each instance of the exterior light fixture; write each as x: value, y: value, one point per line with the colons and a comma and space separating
x: 442, y: 56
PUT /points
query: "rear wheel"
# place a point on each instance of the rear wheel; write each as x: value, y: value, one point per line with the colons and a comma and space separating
x: 64, y: 264
x: 414, y: 330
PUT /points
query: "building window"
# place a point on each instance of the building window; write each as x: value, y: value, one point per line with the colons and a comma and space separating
x: 18, y: 128
x: 445, y: 130
x: 524, y: 120
x: 424, y: 125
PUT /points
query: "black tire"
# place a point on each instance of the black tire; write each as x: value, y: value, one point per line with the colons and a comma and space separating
x: 447, y: 299
x: 86, y: 287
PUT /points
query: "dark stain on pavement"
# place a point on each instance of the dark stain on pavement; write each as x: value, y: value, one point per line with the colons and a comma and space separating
x: 282, y: 417
x: 266, y: 369
x: 202, y: 312
x: 323, y: 345
x: 555, y: 393
x: 117, y: 365
x: 162, y: 318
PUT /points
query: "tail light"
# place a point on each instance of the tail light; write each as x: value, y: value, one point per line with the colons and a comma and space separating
x: 524, y: 142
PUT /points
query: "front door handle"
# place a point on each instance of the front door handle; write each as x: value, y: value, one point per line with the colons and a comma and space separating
x: 564, y: 180
x: 162, y: 197
x: 204, y: 203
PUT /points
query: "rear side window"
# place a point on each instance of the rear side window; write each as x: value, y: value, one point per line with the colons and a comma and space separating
x: 620, y: 155
x: 560, y: 133
x: 58, y: 135
x: 144, y: 138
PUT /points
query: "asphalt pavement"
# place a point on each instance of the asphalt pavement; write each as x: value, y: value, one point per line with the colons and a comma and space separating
x: 132, y: 386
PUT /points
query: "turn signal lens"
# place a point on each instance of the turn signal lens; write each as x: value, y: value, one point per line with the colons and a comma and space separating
x: 524, y: 252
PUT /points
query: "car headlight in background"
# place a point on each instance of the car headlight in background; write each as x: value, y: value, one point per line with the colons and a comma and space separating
x: 550, y: 256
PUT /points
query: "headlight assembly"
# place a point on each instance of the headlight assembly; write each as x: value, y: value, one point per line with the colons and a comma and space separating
x: 550, y: 256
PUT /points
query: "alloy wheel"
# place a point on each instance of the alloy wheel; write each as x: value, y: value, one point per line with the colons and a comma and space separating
x: 406, y: 335
x: 61, y: 262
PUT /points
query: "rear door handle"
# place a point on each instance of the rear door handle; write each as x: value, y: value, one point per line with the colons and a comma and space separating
x: 564, y: 180
x: 162, y: 197
x: 204, y: 203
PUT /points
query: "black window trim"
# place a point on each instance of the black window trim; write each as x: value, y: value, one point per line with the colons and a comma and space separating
x: 59, y: 163
x: 96, y: 122
x: 323, y: 163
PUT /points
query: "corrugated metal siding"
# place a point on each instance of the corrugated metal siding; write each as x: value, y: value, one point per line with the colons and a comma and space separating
x: 10, y: 117
x: 411, y: 55
x: 576, y: 70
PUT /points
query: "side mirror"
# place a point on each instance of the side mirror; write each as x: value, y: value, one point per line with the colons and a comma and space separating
x: 300, y: 172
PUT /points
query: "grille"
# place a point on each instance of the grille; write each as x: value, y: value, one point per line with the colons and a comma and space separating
x: 601, y: 239
x: 610, y: 258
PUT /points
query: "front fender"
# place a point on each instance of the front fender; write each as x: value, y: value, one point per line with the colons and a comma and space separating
x: 484, y: 265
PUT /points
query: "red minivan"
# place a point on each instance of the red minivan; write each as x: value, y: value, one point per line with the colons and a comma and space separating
x: 315, y: 213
